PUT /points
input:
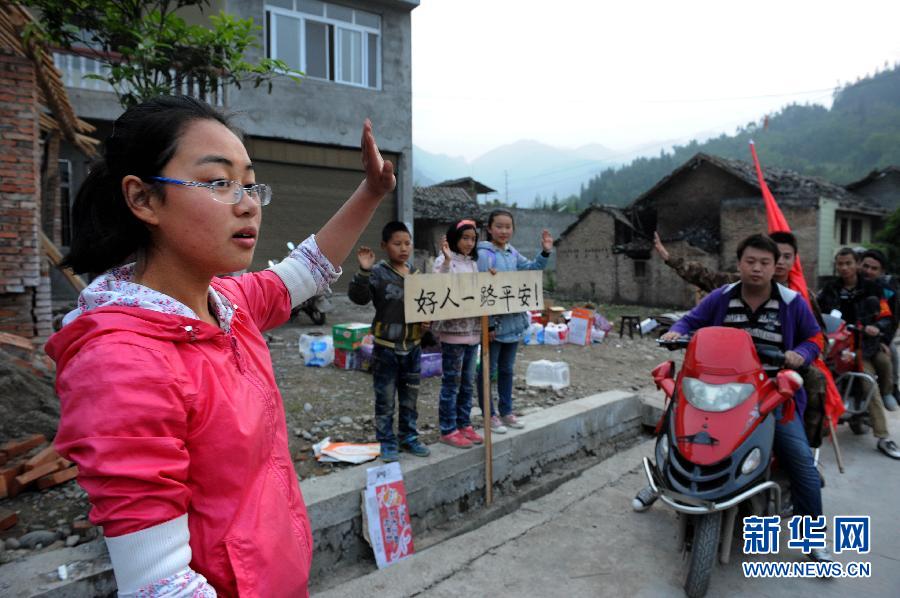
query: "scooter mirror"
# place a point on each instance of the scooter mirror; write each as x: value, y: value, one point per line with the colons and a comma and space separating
x: 664, y: 376
x: 787, y: 383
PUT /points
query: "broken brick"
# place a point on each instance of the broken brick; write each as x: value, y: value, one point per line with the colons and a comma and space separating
x: 83, y: 528
x: 21, y: 481
x: 60, y: 477
x: 14, y: 448
x: 7, y: 477
x: 7, y: 519
x: 44, y: 456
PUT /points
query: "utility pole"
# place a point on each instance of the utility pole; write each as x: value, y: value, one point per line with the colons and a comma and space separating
x: 506, y: 184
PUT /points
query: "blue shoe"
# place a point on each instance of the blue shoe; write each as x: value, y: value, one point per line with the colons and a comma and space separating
x: 416, y: 448
x: 389, y: 454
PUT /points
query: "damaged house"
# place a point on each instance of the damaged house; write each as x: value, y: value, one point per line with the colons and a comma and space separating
x: 702, y: 210
x: 437, y: 207
x: 36, y: 119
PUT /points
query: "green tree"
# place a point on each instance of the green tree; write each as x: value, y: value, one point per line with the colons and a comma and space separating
x: 889, y: 240
x: 150, y: 50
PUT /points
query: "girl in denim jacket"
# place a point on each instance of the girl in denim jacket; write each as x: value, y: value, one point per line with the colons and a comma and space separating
x: 506, y: 331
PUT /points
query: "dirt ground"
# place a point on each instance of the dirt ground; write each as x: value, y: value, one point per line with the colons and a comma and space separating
x: 328, y: 402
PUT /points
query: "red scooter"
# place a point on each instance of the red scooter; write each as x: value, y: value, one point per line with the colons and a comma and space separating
x: 714, y: 442
x: 843, y: 356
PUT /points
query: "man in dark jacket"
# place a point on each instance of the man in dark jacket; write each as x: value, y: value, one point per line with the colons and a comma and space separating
x: 862, y: 301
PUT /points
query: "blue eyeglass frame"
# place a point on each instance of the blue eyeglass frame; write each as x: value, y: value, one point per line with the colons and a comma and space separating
x: 263, y: 191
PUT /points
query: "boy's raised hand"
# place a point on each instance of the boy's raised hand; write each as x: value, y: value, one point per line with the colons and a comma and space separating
x: 380, y: 179
x: 546, y: 240
x: 366, y: 257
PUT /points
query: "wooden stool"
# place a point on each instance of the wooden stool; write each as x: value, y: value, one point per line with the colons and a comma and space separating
x: 631, y: 322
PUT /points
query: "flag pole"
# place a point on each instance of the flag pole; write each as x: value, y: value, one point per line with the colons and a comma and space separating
x: 486, y: 411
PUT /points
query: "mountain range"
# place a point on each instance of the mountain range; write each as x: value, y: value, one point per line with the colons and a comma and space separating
x: 525, y: 168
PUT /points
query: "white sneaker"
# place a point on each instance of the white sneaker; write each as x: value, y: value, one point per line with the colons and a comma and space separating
x: 497, y: 426
x: 890, y: 403
x: 644, y: 499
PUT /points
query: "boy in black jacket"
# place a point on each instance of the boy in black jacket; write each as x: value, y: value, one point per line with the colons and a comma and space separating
x: 397, y: 354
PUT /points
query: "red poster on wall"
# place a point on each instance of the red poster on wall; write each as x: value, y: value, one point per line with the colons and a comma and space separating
x: 390, y: 531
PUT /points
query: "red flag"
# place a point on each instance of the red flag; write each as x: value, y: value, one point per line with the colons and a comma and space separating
x: 834, y: 406
x: 777, y: 222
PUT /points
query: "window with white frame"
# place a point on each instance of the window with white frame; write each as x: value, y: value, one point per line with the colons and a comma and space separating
x: 325, y: 40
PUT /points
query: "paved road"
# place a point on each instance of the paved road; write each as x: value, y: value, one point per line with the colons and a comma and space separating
x: 584, y: 540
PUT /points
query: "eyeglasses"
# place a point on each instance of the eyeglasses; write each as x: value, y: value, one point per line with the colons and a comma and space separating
x: 227, y: 192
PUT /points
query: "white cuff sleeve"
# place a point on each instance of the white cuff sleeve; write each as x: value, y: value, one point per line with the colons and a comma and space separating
x: 156, y: 562
x: 306, y: 272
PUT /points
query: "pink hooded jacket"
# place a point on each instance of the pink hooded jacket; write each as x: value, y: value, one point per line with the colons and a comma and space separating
x: 168, y: 416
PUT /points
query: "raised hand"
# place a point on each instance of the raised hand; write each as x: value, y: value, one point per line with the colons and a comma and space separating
x: 366, y: 257
x: 546, y: 240
x: 445, y: 248
x: 659, y: 247
x: 380, y: 179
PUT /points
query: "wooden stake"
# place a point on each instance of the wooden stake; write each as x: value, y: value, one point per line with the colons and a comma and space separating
x: 837, y: 449
x: 486, y: 411
x: 56, y: 257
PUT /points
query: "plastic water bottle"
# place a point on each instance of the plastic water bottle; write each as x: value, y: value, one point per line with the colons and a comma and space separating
x: 534, y: 335
x: 317, y: 350
x: 544, y: 373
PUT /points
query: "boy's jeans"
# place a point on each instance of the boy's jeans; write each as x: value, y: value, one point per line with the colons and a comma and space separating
x: 503, y: 361
x: 392, y: 371
x: 457, y: 386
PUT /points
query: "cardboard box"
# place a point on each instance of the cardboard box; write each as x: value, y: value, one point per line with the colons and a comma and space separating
x: 349, y: 336
x: 346, y: 360
x: 580, y: 326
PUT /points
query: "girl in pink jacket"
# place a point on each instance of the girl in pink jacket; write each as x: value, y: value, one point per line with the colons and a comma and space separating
x: 169, y: 402
x: 459, y: 342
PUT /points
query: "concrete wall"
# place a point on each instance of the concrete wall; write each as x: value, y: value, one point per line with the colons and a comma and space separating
x: 530, y: 223
x: 327, y: 112
x: 316, y: 111
x: 450, y: 482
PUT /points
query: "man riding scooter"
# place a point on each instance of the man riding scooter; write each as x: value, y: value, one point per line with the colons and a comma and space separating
x: 849, y: 294
x: 775, y: 316
x: 873, y: 266
x: 816, y: 381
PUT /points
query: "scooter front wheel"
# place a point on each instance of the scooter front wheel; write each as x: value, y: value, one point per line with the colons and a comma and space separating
x: 704, y: 548
x: 316, y: 316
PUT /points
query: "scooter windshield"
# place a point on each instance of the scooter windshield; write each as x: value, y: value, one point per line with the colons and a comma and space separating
x: 715, y: 397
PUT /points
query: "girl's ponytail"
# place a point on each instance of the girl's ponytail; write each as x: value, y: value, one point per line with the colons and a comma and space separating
x: 105, y: 232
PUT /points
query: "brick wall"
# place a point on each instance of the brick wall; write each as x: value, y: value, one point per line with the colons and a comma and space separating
x: 740, y: 221
x: 24, y: 281
x: 585, y: 264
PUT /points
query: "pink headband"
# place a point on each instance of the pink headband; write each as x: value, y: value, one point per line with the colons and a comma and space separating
x: 462, y: 223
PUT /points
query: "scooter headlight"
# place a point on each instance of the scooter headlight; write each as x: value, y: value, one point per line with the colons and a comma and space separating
x: 715, y: 397
x: 751, y: 461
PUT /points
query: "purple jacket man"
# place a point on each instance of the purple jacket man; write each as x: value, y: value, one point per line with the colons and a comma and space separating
x: 798, y: 324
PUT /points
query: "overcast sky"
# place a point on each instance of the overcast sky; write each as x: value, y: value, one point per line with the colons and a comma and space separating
x: 630, y: 72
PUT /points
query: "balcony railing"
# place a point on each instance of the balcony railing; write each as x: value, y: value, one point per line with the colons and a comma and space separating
x: 76, y: 67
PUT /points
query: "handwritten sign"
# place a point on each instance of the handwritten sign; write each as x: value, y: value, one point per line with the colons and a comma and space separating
x: 430, y: 297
